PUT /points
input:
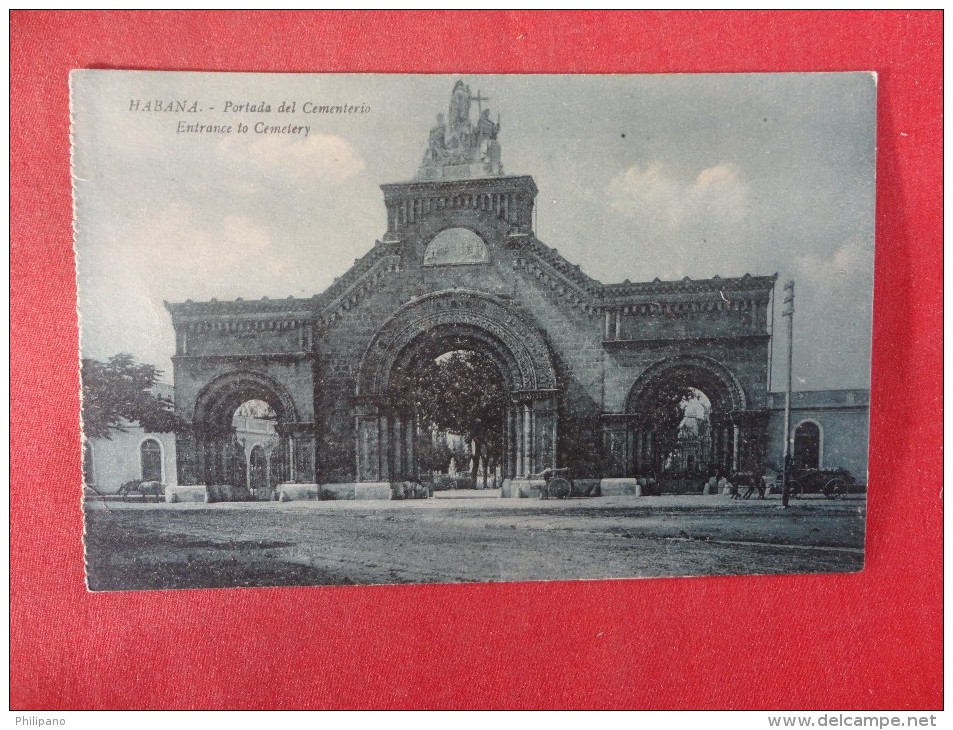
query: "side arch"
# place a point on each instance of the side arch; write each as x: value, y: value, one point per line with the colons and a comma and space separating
x: 217, y: 401
x: 209, y: 452
x: 697, y: 371
x: 635, y: 446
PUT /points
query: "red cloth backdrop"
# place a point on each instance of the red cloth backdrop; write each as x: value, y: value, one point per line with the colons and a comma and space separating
x: 871, y: 640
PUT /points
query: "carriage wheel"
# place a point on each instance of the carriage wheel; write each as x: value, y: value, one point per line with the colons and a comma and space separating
x: 559, y: 488
x: 835, y: 489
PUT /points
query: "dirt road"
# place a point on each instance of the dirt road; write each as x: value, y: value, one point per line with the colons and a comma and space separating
x: 484, y: 539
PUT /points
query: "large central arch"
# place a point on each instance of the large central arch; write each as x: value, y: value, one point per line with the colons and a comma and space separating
x: 428, y: 326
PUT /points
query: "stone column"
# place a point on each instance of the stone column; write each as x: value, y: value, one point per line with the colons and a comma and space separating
x: 410, y: 448
x: 531, y: 438
x: 527, y: 440
x: 386, y: 445
x: 214, y: 444
x: 734, y: 448
x: 614, y: 438
x: 513, y: 442
x: 368, y: 445
x: 622, y: 455
x: 375, y: 450
x: 752, y: 429
x: 628, y: 469
x: 188, y: 457
x: 303, y: 451
x: 544, y: 434
x: 398, y: 473
x: 639, y: 438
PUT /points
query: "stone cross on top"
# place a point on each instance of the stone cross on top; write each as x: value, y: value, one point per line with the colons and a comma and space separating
x: 458, y: 147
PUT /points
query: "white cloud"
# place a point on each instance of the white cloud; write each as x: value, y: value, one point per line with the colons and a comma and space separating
x: 325, y: 157
x: 833, y: 311
x: 653, y: 194
x: 849, y: 268
x: 695, y: 223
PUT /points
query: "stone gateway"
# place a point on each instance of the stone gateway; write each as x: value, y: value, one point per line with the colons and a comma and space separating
x: 586, y: 366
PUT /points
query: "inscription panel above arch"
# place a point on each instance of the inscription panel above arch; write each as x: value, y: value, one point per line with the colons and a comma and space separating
x: 456, y: 246
x: 503, y: 328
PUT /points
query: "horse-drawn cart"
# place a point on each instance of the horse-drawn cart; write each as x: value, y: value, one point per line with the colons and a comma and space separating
x: 554, y: 483
x: 832, y: 483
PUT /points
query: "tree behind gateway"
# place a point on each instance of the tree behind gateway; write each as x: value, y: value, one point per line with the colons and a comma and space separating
x: 118, y: 393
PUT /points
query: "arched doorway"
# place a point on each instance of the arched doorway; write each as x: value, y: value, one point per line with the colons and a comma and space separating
x: 807, y: 446
x: 150, y: 461
x: 686, y: 419
x: 455, y: 406
x: 429, y: 328
x: 234, y: 415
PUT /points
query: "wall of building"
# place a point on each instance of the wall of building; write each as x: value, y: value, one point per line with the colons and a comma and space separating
x: 117, y: 460
x: 844, y: 420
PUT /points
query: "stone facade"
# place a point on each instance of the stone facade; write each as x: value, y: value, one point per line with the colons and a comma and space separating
x: 580, y: 359
x: 459, y: 267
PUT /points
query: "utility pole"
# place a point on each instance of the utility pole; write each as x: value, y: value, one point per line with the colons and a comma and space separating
x: 788, y: 312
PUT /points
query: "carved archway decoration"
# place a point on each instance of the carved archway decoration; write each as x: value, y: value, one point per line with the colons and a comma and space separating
x: 217, y: 401
x: 474, y: 319
x: 706, y: 374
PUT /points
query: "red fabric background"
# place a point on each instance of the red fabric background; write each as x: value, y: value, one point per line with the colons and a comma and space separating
x: 871, y: 640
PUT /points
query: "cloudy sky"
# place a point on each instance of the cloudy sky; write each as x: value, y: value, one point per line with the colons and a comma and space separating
x: 639, y: 176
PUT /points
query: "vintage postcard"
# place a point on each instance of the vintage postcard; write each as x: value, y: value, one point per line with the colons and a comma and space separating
x: 357, y: 329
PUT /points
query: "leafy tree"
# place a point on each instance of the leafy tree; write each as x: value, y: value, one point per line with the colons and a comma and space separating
x: 433, y: 457
x: 256, y: 409
x: 666, y: 413
x: 118, y: 392
x: 463, y: 393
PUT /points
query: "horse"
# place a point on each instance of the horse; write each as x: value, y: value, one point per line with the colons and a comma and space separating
x: 753, y: 481
x: 143, y: 488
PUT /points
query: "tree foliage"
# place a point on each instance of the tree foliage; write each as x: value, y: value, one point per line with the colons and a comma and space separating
x: 667, y: 411
x: 668, y: 406
x: 118, y: 393
x: 256, y: 409
x: 462, y: 393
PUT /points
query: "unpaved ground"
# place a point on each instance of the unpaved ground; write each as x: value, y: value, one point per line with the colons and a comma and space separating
x: 132, y: 546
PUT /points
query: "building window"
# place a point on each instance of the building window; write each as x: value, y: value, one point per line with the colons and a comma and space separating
x: 807, y: 446
x: 151, y: 453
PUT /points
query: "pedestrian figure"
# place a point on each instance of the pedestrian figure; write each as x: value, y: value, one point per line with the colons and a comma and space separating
x: 733, y: 490
x: 752, y: 482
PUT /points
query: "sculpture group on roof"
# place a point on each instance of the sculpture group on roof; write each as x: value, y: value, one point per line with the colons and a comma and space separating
x: 458, y: 141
